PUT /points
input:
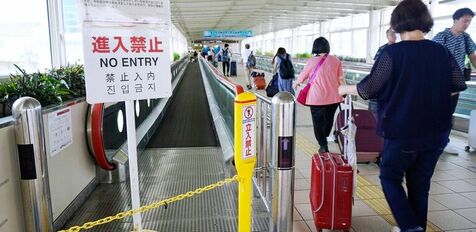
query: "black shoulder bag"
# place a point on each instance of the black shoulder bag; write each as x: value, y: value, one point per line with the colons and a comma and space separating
x: 467, y: 69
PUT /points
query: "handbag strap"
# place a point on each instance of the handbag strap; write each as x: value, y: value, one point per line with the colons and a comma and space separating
x: 314, y: 74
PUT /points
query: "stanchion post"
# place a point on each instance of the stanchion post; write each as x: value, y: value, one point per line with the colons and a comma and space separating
x: 133, y: 164
x: 282, y: 162
x: 245, y: 155
x: 33, y: 168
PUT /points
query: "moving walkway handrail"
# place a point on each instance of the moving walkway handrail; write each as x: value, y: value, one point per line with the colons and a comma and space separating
x: 236, y: 88
x: 364, y: 69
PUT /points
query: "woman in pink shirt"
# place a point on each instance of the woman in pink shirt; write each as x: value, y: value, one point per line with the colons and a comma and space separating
x: 323, y: 96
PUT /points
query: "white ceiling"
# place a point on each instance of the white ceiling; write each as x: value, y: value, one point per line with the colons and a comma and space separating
x: 193, y: 17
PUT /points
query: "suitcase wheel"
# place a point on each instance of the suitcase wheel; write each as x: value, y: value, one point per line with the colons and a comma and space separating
x: 466, y: 148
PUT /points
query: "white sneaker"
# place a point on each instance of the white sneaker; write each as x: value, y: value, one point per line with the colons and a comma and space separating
x: 395, y: 229
x: 451, y: 150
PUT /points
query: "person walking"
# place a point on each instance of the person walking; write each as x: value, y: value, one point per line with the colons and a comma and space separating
x: 225, y: 55
x: 413, y: 81
x: 460, y: 44
x: 210, y: 55
x: 323, y: 97
x: 391, y: 38
x: 247, y: 68
x: 283, y: 67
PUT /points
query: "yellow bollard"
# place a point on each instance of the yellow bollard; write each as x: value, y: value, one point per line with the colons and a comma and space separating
x: 245, y: 155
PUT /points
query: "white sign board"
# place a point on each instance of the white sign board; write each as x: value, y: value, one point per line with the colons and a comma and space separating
x: 127, y: 57
x: 126, y: 49
x: 60, y: 130
x: 248, y: 127
x: 126, y: 64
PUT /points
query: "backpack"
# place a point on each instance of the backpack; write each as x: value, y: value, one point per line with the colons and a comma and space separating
x: 272, y: 88
x: 286, y: 69
x: 224, y: 55
x: 251, y: 62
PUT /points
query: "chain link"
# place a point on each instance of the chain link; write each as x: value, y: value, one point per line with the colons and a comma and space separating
x: 89, y: 225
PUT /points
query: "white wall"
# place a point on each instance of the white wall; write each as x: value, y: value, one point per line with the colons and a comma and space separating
x: 11, y: 211
x: 179, y: 42
x: 73, y: 168
x: 69, y: 171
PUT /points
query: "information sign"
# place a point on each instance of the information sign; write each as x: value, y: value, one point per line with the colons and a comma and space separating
x: 60, y: 130
x: 249, y: 132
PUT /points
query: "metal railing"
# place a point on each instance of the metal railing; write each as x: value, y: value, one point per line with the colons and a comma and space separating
x: 224, y: 91
x: 274, y: 170
x: 262, y: 178
x: 272, y: 129
x: 355, y: 72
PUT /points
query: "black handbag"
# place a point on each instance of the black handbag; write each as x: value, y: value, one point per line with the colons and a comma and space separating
x: 466, y: 70
x: 272, y: 88
x: 467, y: 74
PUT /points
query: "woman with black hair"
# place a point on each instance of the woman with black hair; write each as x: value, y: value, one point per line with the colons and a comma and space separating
x: 283, y: 67
x: 326, y: 73
x: 413, y: 81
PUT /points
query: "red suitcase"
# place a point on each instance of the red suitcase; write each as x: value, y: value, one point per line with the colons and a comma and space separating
x: 367, y: 143
x: 260, y: 82
x: 331, y: 192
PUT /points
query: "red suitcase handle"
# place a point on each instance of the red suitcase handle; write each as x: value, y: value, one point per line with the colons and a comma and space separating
x: 322, y: 184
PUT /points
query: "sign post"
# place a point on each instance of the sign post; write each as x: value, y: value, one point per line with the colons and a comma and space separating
x: 245, y: 155
x: 133, y: 167
x: 126, y: 58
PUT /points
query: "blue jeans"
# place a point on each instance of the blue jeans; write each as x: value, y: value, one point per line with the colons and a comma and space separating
x: 410, y: 211
x: 285, y: 85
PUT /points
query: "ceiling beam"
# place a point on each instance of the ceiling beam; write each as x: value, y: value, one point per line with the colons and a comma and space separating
x: 192, y: 17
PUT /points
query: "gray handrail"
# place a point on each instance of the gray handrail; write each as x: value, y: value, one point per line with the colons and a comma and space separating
x: 363, y: 69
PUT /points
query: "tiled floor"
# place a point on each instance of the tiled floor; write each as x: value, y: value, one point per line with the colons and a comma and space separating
x: 452, y: 205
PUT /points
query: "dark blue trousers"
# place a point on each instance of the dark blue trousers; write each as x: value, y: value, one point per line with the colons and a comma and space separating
x: 410, y: 211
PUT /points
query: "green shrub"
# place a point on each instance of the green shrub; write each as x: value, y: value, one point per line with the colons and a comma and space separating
x: 51, y: 87
x: 176, y: 56
x: 303, y: 55
x: 258, y: 53
x: 268, y: 53
x: 73, y: 77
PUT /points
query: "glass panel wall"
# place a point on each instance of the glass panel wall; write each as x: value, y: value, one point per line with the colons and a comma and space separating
x: 24, y: 38
x: 72, y: 32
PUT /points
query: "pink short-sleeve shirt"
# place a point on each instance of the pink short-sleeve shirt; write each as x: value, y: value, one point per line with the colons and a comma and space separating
x: 324, y: 88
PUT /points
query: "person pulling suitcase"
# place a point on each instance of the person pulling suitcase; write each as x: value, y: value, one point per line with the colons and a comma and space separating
x: 333, y: 182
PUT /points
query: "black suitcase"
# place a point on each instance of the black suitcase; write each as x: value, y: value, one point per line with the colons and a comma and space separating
x: 233, y: 68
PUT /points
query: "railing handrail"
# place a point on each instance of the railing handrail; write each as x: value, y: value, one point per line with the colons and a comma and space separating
x: 262, y: 97
x: 178, y: 61
x: 236, y: 88
x: 365, y: 68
